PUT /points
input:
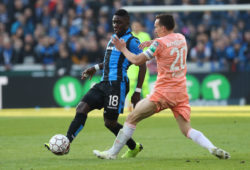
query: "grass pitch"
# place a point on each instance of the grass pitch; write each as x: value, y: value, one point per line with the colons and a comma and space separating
x: 23, y: 132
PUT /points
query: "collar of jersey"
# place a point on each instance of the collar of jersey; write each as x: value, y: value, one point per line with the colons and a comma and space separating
x: 127, y: 32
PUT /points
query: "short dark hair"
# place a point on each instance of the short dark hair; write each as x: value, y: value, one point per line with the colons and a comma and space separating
x: 122, y: 13
x: 166, y: 20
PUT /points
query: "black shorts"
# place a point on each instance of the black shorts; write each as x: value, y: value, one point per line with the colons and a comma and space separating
x: 109, y: 95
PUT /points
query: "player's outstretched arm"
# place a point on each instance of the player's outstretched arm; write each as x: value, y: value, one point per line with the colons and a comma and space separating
x: 89, y: 72
x: 121, y: 46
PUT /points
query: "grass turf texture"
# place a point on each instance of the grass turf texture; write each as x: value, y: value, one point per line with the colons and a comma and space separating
x: 23, y: 132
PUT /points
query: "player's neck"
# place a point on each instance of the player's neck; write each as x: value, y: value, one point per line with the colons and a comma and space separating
x: 167, y: 33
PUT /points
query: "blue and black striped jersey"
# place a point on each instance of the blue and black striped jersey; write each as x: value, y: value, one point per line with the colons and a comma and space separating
x: 115, y: 63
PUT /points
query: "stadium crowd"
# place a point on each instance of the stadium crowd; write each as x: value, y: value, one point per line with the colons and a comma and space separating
x: 66, y: 32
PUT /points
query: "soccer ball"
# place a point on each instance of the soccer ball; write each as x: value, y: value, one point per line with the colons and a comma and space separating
x: 59, y: 144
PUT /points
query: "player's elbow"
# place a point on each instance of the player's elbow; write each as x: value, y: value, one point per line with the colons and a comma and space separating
x: 138, y: 63
x: 137, y: 60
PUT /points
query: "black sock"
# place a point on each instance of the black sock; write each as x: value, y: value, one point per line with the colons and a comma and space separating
x: 130, y: 143
x: 76, y: 126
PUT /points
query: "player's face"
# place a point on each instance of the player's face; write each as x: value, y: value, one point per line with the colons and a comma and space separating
x: 120, y: 25
x: 159, y: 29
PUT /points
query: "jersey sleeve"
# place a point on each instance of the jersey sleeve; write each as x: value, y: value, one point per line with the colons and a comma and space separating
x: 153, y: 50
x: 134, y: 46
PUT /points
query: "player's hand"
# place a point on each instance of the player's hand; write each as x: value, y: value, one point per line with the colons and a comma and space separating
x: 135, y: 98
x: 89, y: 72
x: 145, y: 44
x: 120, y: 44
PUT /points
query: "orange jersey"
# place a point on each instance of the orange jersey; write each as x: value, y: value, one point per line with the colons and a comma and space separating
x: 170, y: 52
x: 170, y: 88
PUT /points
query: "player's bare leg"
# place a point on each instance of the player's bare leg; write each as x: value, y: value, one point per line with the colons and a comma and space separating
x: 143, y: 109
x: 199, y: 138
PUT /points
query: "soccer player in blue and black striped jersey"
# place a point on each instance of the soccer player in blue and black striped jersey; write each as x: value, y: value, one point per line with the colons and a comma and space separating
x: 110, y: 93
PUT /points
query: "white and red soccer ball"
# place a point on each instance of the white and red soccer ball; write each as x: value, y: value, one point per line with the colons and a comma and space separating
x: 59, y: 144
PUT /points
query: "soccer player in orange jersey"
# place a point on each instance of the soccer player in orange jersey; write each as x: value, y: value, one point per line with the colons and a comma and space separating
x: 170, y: 52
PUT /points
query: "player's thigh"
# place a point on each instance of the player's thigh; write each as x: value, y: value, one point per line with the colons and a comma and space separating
x: 145, y: 108
x: 115, y: 97
x: 95, y: 97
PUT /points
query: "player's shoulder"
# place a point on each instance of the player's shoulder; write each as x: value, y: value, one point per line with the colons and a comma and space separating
x: 158, y: 41
x: 135, y: 40
x: 173, y: 38
x: 181, y: 35
x: 178, y: 36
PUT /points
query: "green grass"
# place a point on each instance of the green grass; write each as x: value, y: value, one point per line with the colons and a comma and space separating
x: 22, y: 138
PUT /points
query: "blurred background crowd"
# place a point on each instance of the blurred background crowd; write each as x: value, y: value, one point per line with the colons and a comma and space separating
x: 67, y: 32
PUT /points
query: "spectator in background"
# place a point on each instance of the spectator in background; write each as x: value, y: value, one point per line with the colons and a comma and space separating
x: 207, y: 19
x: 93, y: 53
x: 233, y: 56
x: 39, y: 11
x: 218, y: 54
x: 116, y: 6
x: 47, y: 51
x: 246, y: 51
x: 38, y: 48
x: 3, y: 14
x: 18, y: 50
x: 63, y: 61
x: 18, y: 10
x: 89, y: 20
x: 103, y: 44
x: 52, y: 5
x: 63, y: 36
x: 81, y: 8
x: 59, y: 13
x: 149, y: 24
x: 29, y: 18
x: 27, y: 28
x: 39, y: 31
x: 2, y: 28
x: 45, y: 18
x: 79, y: 55
x: 200, y: 53
x: 54, y: 29
x: 7, y: 53
x: 28, y: 50
x: 74, y: 26
x: 103, y: 22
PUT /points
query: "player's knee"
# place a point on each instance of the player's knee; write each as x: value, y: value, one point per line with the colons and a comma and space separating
x: 131, y: 119
x: 82, y: 107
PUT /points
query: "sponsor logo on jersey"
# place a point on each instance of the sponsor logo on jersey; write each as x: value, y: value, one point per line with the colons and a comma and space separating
x: 112, y: 48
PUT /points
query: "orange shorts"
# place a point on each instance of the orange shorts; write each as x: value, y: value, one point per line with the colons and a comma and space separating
x: 178, y: 102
